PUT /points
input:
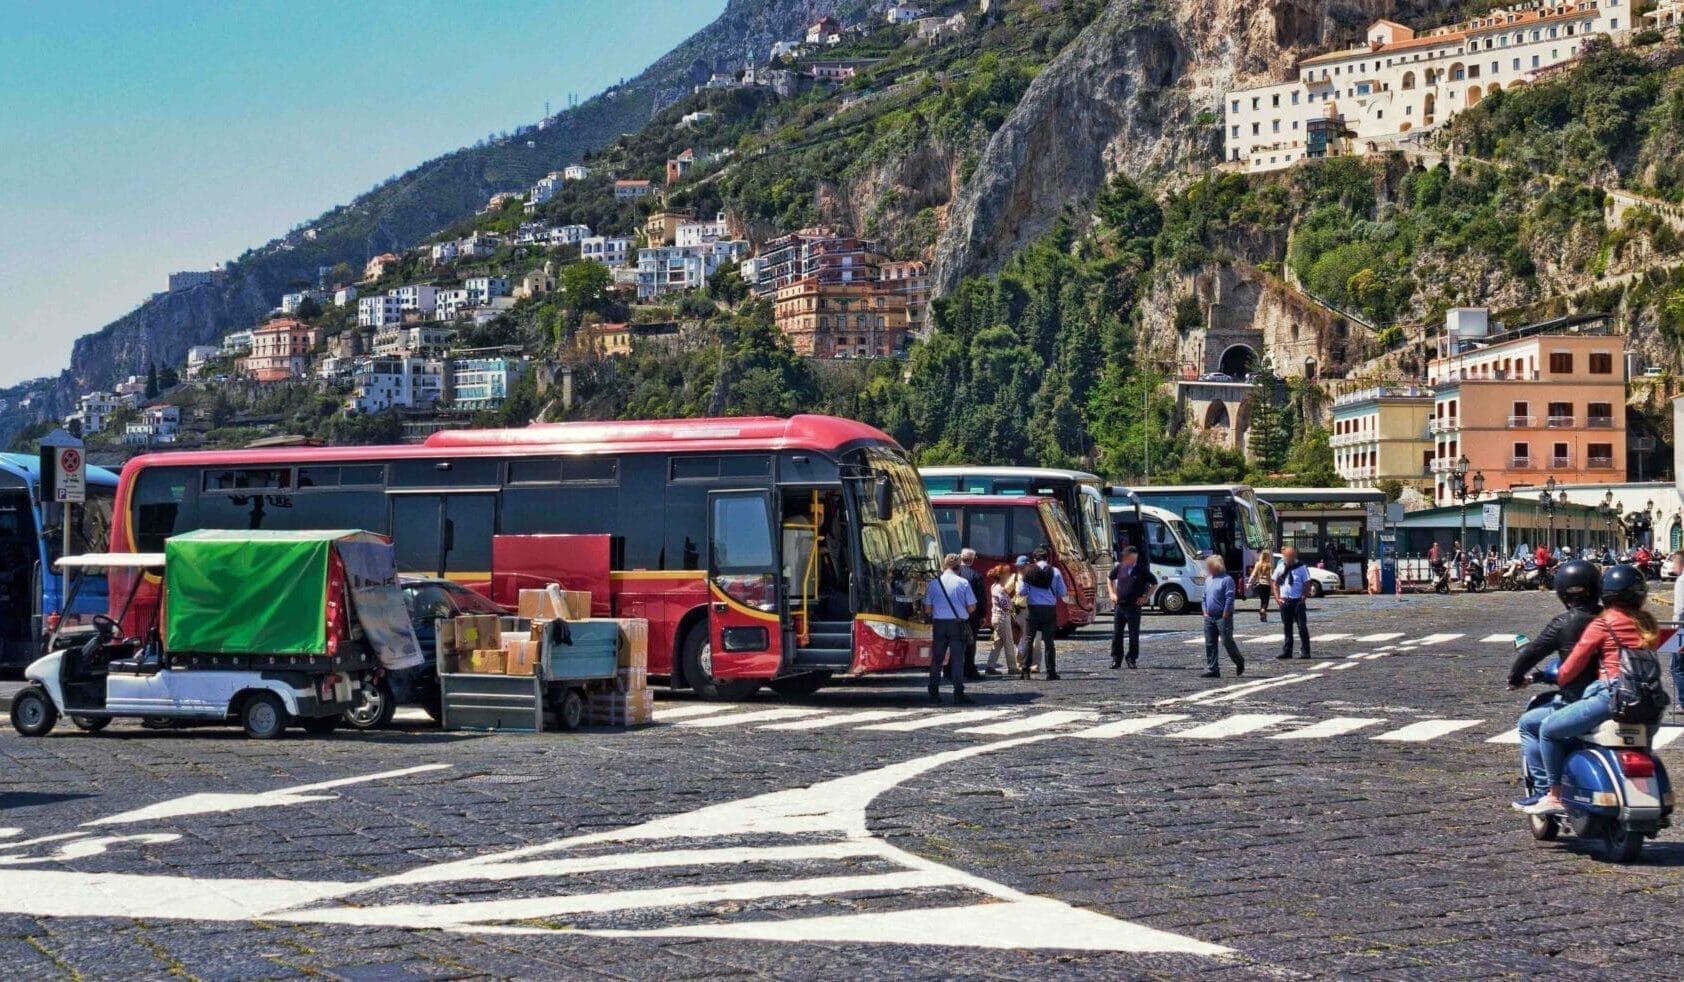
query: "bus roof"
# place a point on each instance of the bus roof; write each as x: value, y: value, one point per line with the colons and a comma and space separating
x: 1152, y: 511
x: 963, y: 498
x: 1151, y: 489
x: 110, y: 560
x: 1319, y: 496
x: 29, y: 466
x: 978, y: 470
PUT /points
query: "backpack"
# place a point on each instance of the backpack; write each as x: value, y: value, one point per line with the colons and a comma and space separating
x: 1637, y: 696
x: 1039, y: 577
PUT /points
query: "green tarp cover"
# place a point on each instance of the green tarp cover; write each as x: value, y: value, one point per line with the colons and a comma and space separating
x: 230, y: 592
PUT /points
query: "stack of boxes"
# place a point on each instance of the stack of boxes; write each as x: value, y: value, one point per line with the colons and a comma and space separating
x: 630, y: 702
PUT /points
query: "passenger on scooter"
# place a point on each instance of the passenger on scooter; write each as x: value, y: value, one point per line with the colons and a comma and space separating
x: 1623, y: 624
x: 1579, y: 586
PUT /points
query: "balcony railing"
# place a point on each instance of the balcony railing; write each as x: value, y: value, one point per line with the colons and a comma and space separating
x: 1443, y: 424
x: 1599, y: 463
x: 1520, y: 463
x: 1522, y: 422
x: 1560, y: 422
x: 1560, y: 463
x: 1600, y: 422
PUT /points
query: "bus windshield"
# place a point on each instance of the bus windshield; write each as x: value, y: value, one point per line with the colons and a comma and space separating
x: 903, y: 551
x: 1252, y: 528
x: 1059, y: 530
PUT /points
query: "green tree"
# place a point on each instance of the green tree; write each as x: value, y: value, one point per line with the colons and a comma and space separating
x: 1311, y: 461
x: 168, y: 378
x: 1271, y: 432
x: 151, y: 380
x: 308, y: 309
x: 585, y: 285
x: 341, y: 273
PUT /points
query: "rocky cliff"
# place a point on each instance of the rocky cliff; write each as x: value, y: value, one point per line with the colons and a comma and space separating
x: 1127, y: 97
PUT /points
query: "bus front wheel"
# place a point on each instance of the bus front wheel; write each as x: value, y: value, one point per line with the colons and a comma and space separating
x: 698, y: 670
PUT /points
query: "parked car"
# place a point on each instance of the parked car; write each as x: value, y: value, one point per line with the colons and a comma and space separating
x: 428, y: 601
x: 1216, y: 377
x: 1324, y: 581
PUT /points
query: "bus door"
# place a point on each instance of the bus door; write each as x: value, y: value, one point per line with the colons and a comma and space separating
x: 446, y: 535
x: 745, y: 625
x: 19, y: 575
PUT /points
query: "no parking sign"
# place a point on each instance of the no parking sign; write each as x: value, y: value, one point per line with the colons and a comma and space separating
x: 70, y: 483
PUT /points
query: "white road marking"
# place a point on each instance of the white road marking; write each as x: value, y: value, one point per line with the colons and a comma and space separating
x: 757, y: 716
x: 1262, y: 639
x: 1337, y: 726
x: 687, y: 710
x: 1507, y: 736
x: 1127, y: 727
x: 1667, y: 735
x: 216, y: 803
x: 1434, y: 639
x: 945, y: 719
x: 1495, y: 638
x: 1342, y: 666
x: 1235, y: 691
x: 1331, y: 637
x: 1383, y: 636
x: 1425, y: 730
x: 840, y: 719
x: 1042, y: 721
x: 1264, y: 685
x: 1235, y: 725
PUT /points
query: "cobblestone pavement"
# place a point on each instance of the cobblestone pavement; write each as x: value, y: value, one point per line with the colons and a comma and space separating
x: 1338, y: 816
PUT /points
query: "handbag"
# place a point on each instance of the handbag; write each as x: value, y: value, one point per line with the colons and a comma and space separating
x: 967, y: 636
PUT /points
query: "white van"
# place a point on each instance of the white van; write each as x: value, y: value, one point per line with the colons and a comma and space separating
x: 1165, y: 540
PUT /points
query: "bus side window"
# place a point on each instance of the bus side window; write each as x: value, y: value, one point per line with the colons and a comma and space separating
x: 947, y: 520
x: 1161, y: 548
x: 160, y: 498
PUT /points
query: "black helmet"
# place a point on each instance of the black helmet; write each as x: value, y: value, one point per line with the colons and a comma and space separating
x: 1624, y: 585
x: 1578, y: 582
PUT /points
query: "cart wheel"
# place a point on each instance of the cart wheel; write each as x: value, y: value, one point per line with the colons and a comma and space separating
x: 33, y: 712
x: 264, y: 716
x: 91, y: 724
x: 571, y: 713
x: 374, y: 707
x: 321, y: 725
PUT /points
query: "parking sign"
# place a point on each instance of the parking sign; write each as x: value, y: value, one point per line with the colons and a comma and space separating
x: 71, y: 484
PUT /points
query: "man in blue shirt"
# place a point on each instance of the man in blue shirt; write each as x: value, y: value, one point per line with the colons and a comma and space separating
x: 949, y: 601
x: 1042, y: 585
x: 1292, y: 585
x: 1219, y: 617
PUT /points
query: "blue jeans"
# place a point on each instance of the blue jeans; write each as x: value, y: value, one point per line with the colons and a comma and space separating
x: 1678, y: 679
x: 1531, y: 753
x: 1570, y: 722
x: 1221, y: 629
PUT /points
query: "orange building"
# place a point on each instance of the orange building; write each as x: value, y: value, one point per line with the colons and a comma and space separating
x: 280, y: 350
x: 1542, y: 401
x: 842, y: 320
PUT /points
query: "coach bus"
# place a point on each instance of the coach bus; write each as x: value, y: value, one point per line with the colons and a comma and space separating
x: 1081, y: 494
x: 1223, y: 519
x: 1003, y: 527
x: 761, y: 550
x: 31, y: 539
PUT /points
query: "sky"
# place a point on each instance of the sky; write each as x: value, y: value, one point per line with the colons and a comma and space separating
x: 144, y: 137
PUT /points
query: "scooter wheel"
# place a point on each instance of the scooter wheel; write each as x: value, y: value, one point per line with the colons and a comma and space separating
x: 33, y: 712
x: 1546, y: 828
x: 1622, y: 844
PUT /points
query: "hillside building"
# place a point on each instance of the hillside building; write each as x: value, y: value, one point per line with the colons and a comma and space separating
x: 483, y: 383
x: 280, y: 350
x: 1400, y: 81
x: 911, y: 280
x: 672, y: 269
x: 188, y: 279
x: 379, y: 384
x: 632, y: 190
x: 376, y: 267
x: 609, y: 250
x: 200, y: 355
x: 413, y: 339
x: 575, y: 172
x: 842, y: 320
x: 157, y: 424
x: 1380, y: 434
x: 661, y: 228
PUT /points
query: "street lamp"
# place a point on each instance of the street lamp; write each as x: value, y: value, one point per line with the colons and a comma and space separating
x: 1462, y: 488
x: 1546, y: 501
x: 1606, y: 508
x: 1503, y: 496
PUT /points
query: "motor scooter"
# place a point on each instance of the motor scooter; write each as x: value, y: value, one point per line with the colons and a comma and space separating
x: 1475, y: 581
x: 1441, y: 578
x: 1614, y: 786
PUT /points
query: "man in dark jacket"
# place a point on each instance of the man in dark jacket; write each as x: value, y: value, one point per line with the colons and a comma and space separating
x: 1130, y: 586
x: 1579, y: 586
x: 967, y: 569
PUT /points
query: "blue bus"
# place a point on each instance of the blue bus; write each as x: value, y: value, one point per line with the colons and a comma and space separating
x: 31, y: 539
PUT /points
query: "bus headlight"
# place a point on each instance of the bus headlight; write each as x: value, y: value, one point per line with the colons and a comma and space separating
x: 887, y: 630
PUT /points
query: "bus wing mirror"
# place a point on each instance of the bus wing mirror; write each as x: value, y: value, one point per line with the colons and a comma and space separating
x: 883, y: 499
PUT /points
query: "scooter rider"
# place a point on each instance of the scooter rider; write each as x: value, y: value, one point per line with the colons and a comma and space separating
x: 1578, y: 584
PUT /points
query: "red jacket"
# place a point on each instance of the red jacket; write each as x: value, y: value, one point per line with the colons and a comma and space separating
x: 1602, y: 638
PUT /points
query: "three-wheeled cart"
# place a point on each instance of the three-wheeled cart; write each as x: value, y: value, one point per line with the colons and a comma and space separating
x: 574, y: 660
x: 260, y: 628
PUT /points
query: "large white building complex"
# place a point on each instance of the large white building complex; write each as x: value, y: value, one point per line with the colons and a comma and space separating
x: 1402, y: 81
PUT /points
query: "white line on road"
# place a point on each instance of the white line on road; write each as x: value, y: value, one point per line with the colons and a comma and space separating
x: 758, y: 716
x: 1127, y: 727
x: 1425, y: 730
x: 840, y: 719
x: 665, y: 713
x: 1337, y: 726
x: 1235, y: 725
x: 1331, y: 637
x: 1434, y: 639
x: 1507, y: 736
x: 1495, y: 638
x: 1263, y: 685
x: 214, y: 803
x: 1667, y: 735
x: 1342, y: 666
x: 1383, y: 636
x: 946, y: 719
x: 1043, y: 721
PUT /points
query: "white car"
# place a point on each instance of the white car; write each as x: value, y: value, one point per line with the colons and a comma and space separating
x: 1323, y: 582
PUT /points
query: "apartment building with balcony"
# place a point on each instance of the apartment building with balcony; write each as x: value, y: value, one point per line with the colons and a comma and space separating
x: 1380, y: 433
x: 1542, y: 401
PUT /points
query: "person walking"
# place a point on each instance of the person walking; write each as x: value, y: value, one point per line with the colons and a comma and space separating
x: 1220, y: 592
x: 949, y: 603
x: 1261, y: 573
x: 1043, y: 587
x: 1130, y: 586
x: 979, y: 589
x: 1292, y: 583
x: 1020, y: 616
x: 1001, y: 621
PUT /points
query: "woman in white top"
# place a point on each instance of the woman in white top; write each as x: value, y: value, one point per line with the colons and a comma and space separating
x: 1000, y: 619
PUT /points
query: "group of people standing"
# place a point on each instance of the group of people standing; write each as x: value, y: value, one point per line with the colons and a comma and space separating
x: 1021, y: 610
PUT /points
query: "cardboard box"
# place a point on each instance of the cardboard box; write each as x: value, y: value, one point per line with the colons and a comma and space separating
x: 632, y: 679
x: 575, y: 605
x: 621, y: 708
x: 477, y: 632
x: 633, y: 651
x: 445, y: 630
x: 485, y: 661
x: 520, y: 658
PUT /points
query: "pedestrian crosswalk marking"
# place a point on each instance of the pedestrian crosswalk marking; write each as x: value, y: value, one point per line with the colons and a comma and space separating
x: 1262, y: 685
x: 1425, y: 730
x: 758, y: 716
x: 1434, y: 639
x: 1496, y: 638
x: 839, y: 719
x: 1507, y: 736
x: 1342, y: 666
x: 1127, y: 727
x: 1383, y: 636
x: 665, y: 713
x: 1040, y: 721
x: 1667, y: 735
x: 1236, y: 725
x: 1337, y: 726
x: 1331, y: 637
x: 948, y: 719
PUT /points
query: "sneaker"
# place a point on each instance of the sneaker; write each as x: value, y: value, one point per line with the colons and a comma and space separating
x: 1211, y: 675
x: 1285, y: 657
x: 1547, y: 805
x: 1239, y: 667
x: 1522, y: 804
x: 1133, y: 663
x: 1116, y: 665
x: 961, y: 699
x: 992, y: 673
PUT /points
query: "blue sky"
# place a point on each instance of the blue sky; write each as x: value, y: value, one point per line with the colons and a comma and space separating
x: 143, y: 137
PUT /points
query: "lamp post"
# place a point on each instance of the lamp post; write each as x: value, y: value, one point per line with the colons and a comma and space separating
x: 1462, y: 488
x: 1503, y: 496
x: 1546, y: 501
x: 1606, y: 508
